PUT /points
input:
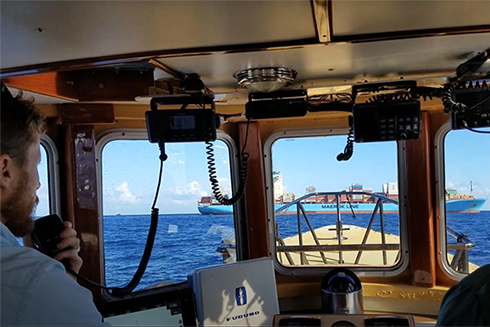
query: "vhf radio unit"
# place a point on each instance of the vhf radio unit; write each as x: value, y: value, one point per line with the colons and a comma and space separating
x: 182, y: 125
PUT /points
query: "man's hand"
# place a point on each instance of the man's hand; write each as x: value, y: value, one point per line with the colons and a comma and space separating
x: 70, y: 257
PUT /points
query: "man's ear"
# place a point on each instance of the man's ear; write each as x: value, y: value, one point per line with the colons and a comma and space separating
x: 8, y: 172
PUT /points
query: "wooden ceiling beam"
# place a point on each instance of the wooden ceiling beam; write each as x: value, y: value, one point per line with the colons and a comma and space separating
x: 113, y: 84
x: 88, y: 85
x: 54, y: 84
x: 85, y: 113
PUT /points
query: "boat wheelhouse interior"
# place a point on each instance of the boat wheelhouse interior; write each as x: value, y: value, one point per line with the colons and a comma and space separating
x: 320, y: 134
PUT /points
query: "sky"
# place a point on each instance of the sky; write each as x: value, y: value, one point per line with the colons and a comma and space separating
x: 130, y: 170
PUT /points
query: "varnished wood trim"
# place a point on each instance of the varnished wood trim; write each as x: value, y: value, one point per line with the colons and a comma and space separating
x: 80, y: 199
x: 420, y: 193
x: 255, y: 199
x: 54, y: 84
x: 83, y: 114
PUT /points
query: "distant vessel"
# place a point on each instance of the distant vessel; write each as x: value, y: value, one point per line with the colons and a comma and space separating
x: 118, y: 213
x: 359, y: 203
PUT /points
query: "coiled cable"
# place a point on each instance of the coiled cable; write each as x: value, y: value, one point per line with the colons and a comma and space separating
x: 242, y: 172
x: 448, y: 99
x: 391, y: 97
x: 349, y: 147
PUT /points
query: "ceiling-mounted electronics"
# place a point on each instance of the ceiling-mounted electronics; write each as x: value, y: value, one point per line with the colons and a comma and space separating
x: 469, y: 105
x: 265, y: 79
x: 181, y: 125
x: 467, y: 95
x: 477, y: 67
x: 392, y: 113
x: 280, y: 104
x: 386, y: 121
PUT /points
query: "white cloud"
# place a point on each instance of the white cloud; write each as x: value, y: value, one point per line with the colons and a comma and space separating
x: 124, y: 194
x: 179, y: 202
x: 191, y: 189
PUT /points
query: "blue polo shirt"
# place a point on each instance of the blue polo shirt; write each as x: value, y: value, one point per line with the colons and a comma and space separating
x: 468, y: 302
x: 35, y: 289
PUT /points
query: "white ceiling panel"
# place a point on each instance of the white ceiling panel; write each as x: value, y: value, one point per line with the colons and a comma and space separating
x: 365, y: 17
x: 340, y: 61
x: 34, y: 32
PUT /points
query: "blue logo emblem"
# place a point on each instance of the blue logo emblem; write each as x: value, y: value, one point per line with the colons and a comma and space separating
x: 241, y: 296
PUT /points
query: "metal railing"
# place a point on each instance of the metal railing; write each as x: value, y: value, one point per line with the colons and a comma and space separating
x: 459, y: 262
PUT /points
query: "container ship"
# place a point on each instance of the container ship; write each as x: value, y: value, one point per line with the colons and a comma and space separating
x: 359, y: 203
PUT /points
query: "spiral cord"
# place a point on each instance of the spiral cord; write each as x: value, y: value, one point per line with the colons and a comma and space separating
x: 349, y: 147
x: 448, y: 100
x: 391, y: 97
x: 242, y: 173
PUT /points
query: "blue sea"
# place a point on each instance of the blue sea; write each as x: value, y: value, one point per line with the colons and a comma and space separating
x: 189, y: 241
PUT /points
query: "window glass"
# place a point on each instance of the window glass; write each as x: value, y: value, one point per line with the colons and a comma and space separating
x: 467, y: 191
x: 355, y: 236
x: 194, y: 231
x: 43, y: 207
x: 42, y: 193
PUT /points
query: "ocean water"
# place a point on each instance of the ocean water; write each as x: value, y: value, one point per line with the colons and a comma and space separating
x: 186, y: 242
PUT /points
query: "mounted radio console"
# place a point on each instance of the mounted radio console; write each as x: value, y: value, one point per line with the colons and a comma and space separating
x: 392, y: 112
x: 181, y: 125
x: 477, y: 103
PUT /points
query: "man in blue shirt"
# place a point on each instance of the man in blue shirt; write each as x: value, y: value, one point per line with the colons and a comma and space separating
x: 35, y: 289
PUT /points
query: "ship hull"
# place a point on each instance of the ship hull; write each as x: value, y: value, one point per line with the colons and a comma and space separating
x: 466, y: 206
x: 456, y: 206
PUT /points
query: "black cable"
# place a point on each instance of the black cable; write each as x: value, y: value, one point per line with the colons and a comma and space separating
x: 163, y: 157
x: 479, y: 103
x: 476, y: 131
x: 121, y: 291
x: 150, y: 238
x: 449, y: 100
x: 465, y: 125
x: 242, y: 172
x: 87, y: 280
x: 391, y: 97
x: 351, y: 209
x: 349, y: 147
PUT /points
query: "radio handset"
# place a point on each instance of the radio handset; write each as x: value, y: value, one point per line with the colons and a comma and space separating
x: 46, y: 235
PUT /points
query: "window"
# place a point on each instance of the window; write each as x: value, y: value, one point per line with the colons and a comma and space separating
x: 309, y: 185
x: 47, y: 171
x: 194, y: 230
x: 43, y: 207
x: 464, y: 199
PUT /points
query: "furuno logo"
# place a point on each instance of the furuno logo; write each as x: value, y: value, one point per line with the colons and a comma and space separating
x: 240, y: 296
x: 242, y: 316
